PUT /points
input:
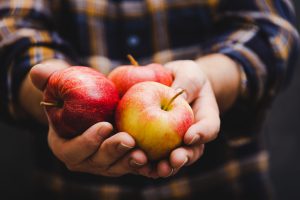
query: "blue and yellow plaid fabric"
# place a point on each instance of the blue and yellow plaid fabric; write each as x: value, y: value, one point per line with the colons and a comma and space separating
x: 258, y: 34
x: 99, y: 33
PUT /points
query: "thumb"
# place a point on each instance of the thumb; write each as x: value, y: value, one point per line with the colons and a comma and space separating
x: 187, y: 76
x: 77, y: 149
x: 40, y: 73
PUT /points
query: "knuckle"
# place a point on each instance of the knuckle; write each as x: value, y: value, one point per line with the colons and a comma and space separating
x: 109, y: 149
x: 214, y: 126
x: 92, y: 142
x: 217, y: 127
x: 212, y: 131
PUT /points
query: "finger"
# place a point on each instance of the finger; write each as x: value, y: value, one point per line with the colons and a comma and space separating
x: 112, y: 149
x: 147, y: 171
x: 75, y: 150
x: 40, y: 73
x: 188, y: 76
x: 153, y: 174
x: 207, y: 120
x: 164, y: 169
x: 204, y: 131
x: 128, y: 164
x: 184, y: 156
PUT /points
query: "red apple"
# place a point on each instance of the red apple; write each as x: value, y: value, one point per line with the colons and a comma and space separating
x: 155, y: 116
x: 127, y: 75
x: 78, y: 97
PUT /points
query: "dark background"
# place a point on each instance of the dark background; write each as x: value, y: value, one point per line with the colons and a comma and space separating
x: 281, y: 131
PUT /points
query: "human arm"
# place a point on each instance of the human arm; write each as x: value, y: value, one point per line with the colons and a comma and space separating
x: 28, y: 38
x: 97, y: 150
x: 248, y: 57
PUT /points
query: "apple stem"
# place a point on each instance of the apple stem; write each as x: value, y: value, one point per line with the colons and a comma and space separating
x: 132, y: 60
x: 44, y: 103
x: 167, y: 106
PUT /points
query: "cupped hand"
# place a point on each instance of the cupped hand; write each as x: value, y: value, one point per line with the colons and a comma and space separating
x: 97, y: 150
x: 198, y: 92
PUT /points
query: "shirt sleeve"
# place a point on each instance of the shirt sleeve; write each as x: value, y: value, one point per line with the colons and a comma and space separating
x: 27, y: 37
x: 261, y: 37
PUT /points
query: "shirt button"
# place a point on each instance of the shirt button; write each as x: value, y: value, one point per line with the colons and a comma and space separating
x: 133, y: 41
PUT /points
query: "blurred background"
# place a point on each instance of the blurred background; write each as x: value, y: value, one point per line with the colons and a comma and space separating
x: 281, y: 132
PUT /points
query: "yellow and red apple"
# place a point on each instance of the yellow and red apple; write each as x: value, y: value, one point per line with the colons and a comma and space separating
x: 156, y: 116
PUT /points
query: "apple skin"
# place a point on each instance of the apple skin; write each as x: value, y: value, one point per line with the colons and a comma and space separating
x: 85, y: 97
x: 155, y: 130
x: 128, y: 75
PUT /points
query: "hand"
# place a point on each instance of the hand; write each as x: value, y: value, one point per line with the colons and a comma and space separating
x: 95, y: 151
x: 189, y: 76
x: 98, y: 152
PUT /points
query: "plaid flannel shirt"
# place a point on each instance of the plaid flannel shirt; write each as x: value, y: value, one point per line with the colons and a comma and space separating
x: 259, y: 35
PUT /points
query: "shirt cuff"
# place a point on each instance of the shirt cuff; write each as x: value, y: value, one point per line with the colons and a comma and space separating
x: 18, y: 70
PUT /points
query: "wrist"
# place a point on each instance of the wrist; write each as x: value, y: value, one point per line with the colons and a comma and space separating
x: 30, y: 96
x: 224, y: 75
x: 29, y: 101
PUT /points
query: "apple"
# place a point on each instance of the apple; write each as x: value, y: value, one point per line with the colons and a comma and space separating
x: 78, y: 97
x: 155, y: 116
x: 128, y: 75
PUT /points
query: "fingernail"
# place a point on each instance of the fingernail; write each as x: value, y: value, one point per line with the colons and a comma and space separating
x: 184, y: 163
x: 171, y: 172
x: 124, y: 147
x: 135, y: 164
x: 195, y: 139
